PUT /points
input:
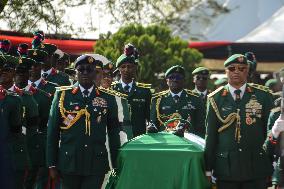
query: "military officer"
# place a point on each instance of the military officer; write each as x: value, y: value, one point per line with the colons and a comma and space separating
x: 236, y: 113
x: 5, y: 46
x: 272, y: 85
x: 107, y: 78
x: 35, y: 72
x: 220, y: 82
x: 49, y: 73
x: 200, y: 80
x: 62, y: 62
x: 178, y: 102
x: 11, y: 123
x: 138, y: 94
x: 79, y: 118
x: 22, y: 50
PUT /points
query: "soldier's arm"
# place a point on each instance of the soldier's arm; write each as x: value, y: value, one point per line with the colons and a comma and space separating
x: 268, y: 105
x: 16, y: 115
x: 32, y: 113
x: 210, y: 138
x: 148, y: 104
x: 198, y: 119
x: 53, y: 132
x: 113, y: 127
x: 153, y: 114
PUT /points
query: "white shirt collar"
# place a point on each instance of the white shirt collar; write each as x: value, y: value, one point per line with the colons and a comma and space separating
x: 48, y: 71
x: 124, y: 84
x: 27, y: 88
x: 199, y: 92
x: 232, y: 90
x: 82, y: 89
x: 37, y: 82
x: 12, y: 88
x: 173, y: 94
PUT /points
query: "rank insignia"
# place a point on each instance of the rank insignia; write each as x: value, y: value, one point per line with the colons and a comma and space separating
x: 249, y: 120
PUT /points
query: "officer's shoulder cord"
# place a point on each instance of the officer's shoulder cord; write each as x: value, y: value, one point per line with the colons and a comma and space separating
x: 79, y: 113
x: 159, y: 116
x: 229, y: 119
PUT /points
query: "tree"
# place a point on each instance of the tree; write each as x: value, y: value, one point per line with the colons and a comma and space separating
x: 158, y: 50
x: 26, y: 16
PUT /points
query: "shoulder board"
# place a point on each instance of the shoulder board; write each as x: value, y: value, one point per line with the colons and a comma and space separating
x: 160, y: 93
x: 260, y: 87
x: 190, y: 92
x: 52, y: 83
x: 11, y: 93
x: 215, y: 92
x: 63, y: 88
x: 114, y: 82
x: 144, y: 85
x: 277, y: 109
x: 112, y: 92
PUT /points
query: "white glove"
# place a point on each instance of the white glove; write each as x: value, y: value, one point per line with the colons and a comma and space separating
x: 278, y: 127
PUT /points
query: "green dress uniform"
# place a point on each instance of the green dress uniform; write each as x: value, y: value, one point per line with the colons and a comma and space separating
x: 236, y: 132
x: 11, y: 124
x: 139, y: 99
x: 76, y: 135
x: 164, y: 107
x: 58, y: 78
x: 20, y: 149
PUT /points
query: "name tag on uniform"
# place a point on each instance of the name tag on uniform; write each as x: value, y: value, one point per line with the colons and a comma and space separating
x: 138, y: 100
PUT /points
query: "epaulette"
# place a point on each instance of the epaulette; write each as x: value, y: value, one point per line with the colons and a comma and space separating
x: 63, y: 88
x: 113, y: 92
x: 215, y: 92
x: 144, y: 85
x: 160, y: 93
x: 277, y: 109
x: 190, y: 92
x: 52, y: 83
x: 260, y: 87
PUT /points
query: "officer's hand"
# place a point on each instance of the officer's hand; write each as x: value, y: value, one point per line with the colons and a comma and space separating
x: 152, y: 128
x: 53, y: 173
x: 278, y: 127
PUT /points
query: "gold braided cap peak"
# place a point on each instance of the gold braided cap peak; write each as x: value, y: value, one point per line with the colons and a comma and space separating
x: 113, y: 92
x: 160, y: 93
x: 215, y: 92
x: 190, y: 92
x: 260, y: 87
x: 277, y: 109
x: 144, y: 85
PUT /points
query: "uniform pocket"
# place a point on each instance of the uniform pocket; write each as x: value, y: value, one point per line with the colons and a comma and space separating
x: 100, y: 161
x: 222, y: 167
x: 66, y: 159
x: 261, y: 165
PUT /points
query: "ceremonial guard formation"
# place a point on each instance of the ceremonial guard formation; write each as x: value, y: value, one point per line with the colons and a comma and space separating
x: 62, y: 126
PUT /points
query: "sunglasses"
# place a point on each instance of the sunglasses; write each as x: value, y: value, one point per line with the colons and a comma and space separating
x: 87, y: 70
x: 234, y: 68
x: 175, y: 77
x: 201, y: 77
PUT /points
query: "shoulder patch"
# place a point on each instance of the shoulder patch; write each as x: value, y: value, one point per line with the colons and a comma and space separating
x: 144, y: 85
x: 190, y: 92
x: 112, y: 92
x: 215, y: 92
x: 277, y: 109
x: 160, y: 93
x: 260, y: 87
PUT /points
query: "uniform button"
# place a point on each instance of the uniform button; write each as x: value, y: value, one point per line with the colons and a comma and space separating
x: 240, y: 149
x: 37, y: 146
x: 86, y: 145
x: 21, y: 150
x: 176, y: 110
x: 66, y: 153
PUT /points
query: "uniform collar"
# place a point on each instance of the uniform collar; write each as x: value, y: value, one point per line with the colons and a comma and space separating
x: 37, y: 82
x: 199, y: 92
x: 48, y: 71
x: 232, y: 90
x: 173, y: 94
x: 124, y: 84
x: 12, y: 88
x: 82, y: 89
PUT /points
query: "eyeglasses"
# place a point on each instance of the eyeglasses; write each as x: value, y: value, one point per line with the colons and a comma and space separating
x: 234, y: 68
x: 87, y: 70
x: 175, y: 77
x: 201, y: 77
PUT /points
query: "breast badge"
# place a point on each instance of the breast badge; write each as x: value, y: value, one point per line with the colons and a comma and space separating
x: 253, y: 111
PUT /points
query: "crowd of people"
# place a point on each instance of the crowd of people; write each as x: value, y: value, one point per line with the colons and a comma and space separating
x: 64, y: 126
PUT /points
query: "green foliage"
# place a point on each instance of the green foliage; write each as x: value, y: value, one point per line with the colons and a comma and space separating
x: 158, y: 50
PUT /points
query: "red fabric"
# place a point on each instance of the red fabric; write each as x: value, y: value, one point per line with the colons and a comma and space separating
x: 68, y: 46
x: 208, y: 45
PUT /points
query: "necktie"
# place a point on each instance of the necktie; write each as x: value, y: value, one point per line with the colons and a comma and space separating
x: 202, y: 95
x: 176, y: 98
x: 33, y: 84
x: 126, y: 88
x: 238, y: 95
x: 86, y: 93
x: 44, y: 75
